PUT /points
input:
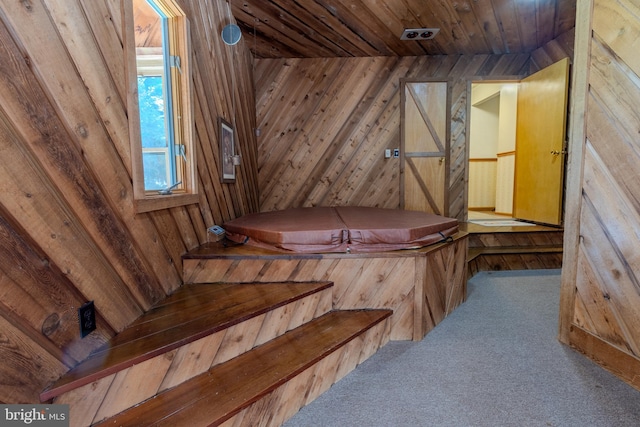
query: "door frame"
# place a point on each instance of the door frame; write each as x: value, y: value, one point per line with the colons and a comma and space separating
x: 467, y: 126
x: 447, y: 139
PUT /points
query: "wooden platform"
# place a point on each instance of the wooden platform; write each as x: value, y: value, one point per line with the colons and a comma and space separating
x: 217, y: 351
x: 513, y: 248
x: 254, y: 335
x: 191, y: 313
x: 228, y: 390
x: 421, y: 286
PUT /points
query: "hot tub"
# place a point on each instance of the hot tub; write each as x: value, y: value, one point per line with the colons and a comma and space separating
x: 348, y: 229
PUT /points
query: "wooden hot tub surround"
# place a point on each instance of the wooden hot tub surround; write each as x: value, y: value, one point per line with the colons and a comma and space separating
x: 322, y: 314
x: 421, y: 286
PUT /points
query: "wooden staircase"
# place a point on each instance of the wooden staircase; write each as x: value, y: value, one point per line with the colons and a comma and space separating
x: 513, y: 248
x: 214, y: 353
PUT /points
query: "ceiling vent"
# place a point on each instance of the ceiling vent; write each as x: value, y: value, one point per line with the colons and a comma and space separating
x: 419, y: 33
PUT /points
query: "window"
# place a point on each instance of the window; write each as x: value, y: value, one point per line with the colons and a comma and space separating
x: 163, y: 158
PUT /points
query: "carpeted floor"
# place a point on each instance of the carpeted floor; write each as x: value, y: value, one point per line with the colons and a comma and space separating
x: 495, y: 361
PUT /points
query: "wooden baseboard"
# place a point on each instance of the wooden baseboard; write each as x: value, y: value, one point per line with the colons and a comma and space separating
x: 620, y: 363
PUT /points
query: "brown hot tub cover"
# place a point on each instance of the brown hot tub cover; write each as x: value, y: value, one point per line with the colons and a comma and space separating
x: 340, y: 229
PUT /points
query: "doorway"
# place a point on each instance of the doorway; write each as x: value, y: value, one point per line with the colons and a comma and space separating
x: 516, y: 146
x: 492, y: 148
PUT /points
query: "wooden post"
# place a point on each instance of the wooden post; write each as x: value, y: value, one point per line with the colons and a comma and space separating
x: 577, y: 137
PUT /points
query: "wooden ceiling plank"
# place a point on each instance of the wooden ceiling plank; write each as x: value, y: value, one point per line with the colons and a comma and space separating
x: 312, y: 19
x: 433, y: 15
x: 264, y: 47
x: 414, y: 19
x: 487, y: 19
x: 545, y: 21
x: 565, y: 17
x: 469, y: 25
x: 361, y: 23
x: 527, y: 21
x: 278, y: 25
x: 317, y: 27
x: 335, y: 25
x: 397, y: 19
x: 449, y: 21
x: 508, y: 22
x: 358, y: 28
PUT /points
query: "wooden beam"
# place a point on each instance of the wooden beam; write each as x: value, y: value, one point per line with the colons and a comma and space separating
x: 574, y: 173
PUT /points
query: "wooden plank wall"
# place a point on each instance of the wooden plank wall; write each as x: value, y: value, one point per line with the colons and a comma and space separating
x: 421, y: 286
x: 69, y: 231
x: 325, y: 123
x: 600, y: 310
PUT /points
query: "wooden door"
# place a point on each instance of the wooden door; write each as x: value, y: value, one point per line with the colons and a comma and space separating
x: 425, y: 146
x: 540, y: 145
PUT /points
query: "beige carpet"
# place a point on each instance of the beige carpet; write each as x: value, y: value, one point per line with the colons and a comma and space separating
x: 495, y: 361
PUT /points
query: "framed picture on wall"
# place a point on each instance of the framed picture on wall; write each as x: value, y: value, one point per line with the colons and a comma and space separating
x: 227, y: 151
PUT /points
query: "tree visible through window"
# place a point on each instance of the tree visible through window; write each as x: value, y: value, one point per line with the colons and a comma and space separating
x: 163, y: 159
x: 154, y: 63
x: 153, y: 131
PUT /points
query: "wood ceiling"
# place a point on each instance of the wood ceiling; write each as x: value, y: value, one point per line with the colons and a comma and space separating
x: 365, y: 28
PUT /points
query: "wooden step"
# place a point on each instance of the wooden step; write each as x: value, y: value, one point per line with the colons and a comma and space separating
x: 196, y: 312
x: 510, y: 250
x: 270, y: 382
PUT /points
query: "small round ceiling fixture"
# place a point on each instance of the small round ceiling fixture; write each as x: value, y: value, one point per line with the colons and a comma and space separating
x: 231, y: 34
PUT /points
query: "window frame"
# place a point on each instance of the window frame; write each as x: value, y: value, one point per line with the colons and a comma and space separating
x: 180, y: 44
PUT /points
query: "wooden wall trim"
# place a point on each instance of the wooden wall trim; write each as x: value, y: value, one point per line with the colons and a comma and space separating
x: 613, y: 359
x: 574, y: 172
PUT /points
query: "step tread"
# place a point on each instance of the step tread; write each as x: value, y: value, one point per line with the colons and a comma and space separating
x: 508, y: 250
x: 226, y: 389
x: 172, y: 324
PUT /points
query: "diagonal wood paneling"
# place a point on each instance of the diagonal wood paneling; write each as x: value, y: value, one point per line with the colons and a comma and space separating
x: 601, y: 285
x: 69, y: 229
x: 325, y: 124
x: 420, y: 286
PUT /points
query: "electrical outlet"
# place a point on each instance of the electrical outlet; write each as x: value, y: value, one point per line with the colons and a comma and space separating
x: 215, y: 233
x: 87, y: 318
x: 396, y: 153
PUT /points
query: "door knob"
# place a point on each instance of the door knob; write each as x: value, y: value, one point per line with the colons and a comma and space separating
x: 556, y: 152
